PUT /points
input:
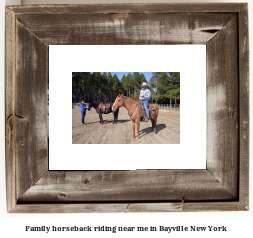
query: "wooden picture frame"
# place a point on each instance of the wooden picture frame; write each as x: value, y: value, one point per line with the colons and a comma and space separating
x: 222, y: 186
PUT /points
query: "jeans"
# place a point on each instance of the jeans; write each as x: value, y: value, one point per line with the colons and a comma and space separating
x: 83, y: 115
x: 145, y: 103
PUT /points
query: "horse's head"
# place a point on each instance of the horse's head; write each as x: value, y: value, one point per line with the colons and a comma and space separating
x: 119, y: 102
x: 89, y: 106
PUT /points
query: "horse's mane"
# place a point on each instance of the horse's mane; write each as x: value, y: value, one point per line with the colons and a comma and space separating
x: 129, y: 98
x: 97, y: 103
x: 94, y: 103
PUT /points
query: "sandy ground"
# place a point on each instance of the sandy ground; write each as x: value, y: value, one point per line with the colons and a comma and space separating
x: 168, y: 129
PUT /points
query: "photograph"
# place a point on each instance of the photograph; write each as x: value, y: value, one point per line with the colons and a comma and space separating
x: 125, y: 107
x: 110, y: 105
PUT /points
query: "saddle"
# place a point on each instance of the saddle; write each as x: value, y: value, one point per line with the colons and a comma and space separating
x: 142, y: 111
x: 143, y: 115
x: 151, y: 107
x: 103, y: 108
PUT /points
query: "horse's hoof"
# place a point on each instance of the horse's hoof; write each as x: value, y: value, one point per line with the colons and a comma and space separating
x: 155, y: 130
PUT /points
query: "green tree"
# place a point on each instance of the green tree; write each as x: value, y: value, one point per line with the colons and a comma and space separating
x: 129, y: 84
x: 124, y: 84
x: 110, y: 84
x: 154, y: 83
x: 138, y: 79
x: 165, y: 86
x: 103, y: 87
x: 175, y: 86
x: 76, y: 78
x: 116, y: 85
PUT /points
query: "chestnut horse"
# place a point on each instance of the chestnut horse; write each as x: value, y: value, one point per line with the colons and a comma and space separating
x: 133, y: 108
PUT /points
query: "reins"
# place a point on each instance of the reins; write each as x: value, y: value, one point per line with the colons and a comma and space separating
x: 93, y: 106
x: 92, y: 112
x: 130, y: 114
x: 137, y: 104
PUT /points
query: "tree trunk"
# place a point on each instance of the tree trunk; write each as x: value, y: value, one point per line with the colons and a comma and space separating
x: 156, y: 96
x: 76, y: 90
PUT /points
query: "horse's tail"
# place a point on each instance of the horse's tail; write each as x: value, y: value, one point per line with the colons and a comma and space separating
x: 157, y: 109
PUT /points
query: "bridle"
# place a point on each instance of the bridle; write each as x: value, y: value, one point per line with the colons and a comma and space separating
x: 130, y: 114
x: 115, y: 102
x: 90, y: 106
x: 137, y: 104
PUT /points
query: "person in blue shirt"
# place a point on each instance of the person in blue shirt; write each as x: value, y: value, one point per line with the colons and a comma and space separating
x: 144, y: 97
x: 83, y: 110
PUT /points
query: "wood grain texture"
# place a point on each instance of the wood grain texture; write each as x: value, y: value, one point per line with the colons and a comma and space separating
x: 244, y: 106
x: 128, y: 207
x: 222, y: 107
x: 131, y: 29
x: 186, y: 207
x: 9, y: 108
x: 155, y: 8
x: 139, y: 185
x: 223, y: 186
x: 30, y: 108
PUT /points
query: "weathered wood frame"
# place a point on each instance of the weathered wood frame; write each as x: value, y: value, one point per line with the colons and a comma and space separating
x: 222, y: 186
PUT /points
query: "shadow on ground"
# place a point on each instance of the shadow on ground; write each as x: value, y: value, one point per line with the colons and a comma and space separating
x: 148, y: 130
x: 108, y: 122
x: 122, y: 121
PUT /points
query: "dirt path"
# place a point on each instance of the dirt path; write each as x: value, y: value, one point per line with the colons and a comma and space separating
x: 168, y: 129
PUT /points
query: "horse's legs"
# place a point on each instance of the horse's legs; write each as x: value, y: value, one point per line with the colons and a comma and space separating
x: 133, y: 126
x: 152, y: 120
x: 100, y: 117
x: 117, y: 115
x: 138, y: 128
x: 155, y: 120
x: 114, y: 119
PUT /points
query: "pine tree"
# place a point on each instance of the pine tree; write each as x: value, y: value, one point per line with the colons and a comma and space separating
x: 129, y: 83
x: 154, y: 83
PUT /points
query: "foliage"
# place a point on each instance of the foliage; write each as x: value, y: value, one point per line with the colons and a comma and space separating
x: 104, y: 87
x: 166, y: 87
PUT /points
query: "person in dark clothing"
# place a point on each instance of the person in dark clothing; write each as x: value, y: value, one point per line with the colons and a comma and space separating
x: 83, y: 110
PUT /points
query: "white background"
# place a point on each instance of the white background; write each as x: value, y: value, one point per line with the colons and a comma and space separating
x: 189, y: 154
x: 239, y: 223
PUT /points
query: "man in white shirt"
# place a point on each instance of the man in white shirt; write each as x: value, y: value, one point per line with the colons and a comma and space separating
x: 144, y: 97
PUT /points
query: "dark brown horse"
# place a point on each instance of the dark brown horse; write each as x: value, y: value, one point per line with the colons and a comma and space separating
x: 133, y: 108
x: 104, y: 109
